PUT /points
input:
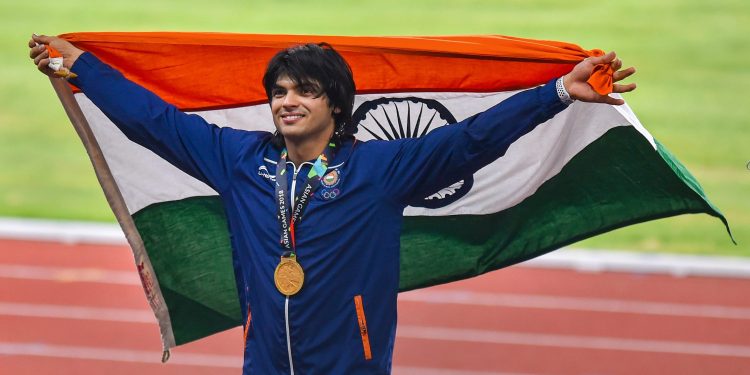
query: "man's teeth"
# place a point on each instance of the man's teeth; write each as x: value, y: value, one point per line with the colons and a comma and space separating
x: 292, y: 117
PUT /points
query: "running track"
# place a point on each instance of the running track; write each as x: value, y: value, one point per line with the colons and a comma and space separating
x: 79, y: 309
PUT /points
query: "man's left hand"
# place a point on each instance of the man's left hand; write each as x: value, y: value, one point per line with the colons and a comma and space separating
x: 578, y: 88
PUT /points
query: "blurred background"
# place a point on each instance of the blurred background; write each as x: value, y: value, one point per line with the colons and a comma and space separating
x: 79, y: 308
x: 692, y: 59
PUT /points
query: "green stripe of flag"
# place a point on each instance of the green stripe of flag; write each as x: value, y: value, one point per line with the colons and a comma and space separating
x: 616, y: 181
x: 188, y: 244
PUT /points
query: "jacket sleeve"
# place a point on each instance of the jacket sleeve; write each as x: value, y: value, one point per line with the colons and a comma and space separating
x: 419, y: 167
x: 202, y: 150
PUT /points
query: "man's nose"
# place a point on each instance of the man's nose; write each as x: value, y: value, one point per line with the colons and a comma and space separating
x: 291, y: 99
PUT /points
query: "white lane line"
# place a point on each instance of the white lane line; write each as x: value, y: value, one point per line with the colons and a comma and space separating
x: 679, y: 265
x: 529, y: 301
x: 177, y: 358
x: 77, y: 312
x: 61, y: 274
x: 119, y: 355
x: 469, y: 298
x: 408, y: 370
x: 572, y: 341
x: 413, y: 332
x: 587, y: 260
x: 71, y: 232
x: 422, y: 332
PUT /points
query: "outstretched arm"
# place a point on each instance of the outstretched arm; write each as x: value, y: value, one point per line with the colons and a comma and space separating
x: 454, y: 152
x: 202, y: 150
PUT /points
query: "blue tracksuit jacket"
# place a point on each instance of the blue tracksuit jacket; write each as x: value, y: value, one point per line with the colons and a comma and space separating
x: 348, y: 245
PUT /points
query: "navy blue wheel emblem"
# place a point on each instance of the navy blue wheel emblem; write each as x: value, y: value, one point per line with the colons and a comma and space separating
x: 410, y: 117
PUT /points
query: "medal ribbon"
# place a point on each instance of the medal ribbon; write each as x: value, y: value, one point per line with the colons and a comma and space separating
x: 302, y: 199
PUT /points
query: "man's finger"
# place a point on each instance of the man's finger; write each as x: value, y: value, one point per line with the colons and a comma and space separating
x: 41, y: 56
x: 623, y: 88
x: 610, y: 100
x: 42, y: 39
x: 616, y: 65
x: 622, y: 74
x: 33, y: 51
x: 604, y: 59
x: 43, y: 65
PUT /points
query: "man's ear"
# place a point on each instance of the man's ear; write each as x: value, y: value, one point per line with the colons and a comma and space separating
x: 337, y: 110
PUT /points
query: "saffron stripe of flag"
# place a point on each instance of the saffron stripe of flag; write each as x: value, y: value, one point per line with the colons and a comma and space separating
x: 588, y: 170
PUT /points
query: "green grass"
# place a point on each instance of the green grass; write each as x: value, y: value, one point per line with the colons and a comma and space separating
x: 692, y: 58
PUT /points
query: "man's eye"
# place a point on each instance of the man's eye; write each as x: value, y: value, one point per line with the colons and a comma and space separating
x: 308, y: 90
x: 277, y: 93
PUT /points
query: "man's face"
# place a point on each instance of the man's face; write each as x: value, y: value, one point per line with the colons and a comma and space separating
x: 301, y: 111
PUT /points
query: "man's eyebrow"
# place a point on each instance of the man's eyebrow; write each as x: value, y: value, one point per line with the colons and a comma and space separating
x: 311, y: 85
x: 303, y: 84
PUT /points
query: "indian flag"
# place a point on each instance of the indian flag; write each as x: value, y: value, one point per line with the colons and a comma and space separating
x: 591, y: 169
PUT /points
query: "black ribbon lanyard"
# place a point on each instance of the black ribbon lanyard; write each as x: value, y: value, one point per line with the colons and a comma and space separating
x: 302, y: 199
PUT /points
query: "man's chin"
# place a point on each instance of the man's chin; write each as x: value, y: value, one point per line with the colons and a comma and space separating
x: 293, y: 135
x: 297, y: 133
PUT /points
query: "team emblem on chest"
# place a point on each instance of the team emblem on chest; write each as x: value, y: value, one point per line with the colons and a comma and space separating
x: 329, y: 184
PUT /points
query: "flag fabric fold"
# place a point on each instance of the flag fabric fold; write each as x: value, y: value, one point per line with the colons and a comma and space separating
x: 590, y: 169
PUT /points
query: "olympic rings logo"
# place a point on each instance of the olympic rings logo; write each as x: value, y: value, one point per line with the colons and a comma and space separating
x: 330, y: 194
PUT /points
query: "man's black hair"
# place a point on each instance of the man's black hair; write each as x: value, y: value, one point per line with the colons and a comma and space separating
x: 320, y: 65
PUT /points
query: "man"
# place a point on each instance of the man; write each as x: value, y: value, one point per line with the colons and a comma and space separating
x: 320, y: 273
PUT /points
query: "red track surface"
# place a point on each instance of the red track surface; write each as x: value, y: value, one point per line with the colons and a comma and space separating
x: 79, y: 309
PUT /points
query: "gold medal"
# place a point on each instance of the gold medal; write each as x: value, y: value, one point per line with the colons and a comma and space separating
x: 289, y: 276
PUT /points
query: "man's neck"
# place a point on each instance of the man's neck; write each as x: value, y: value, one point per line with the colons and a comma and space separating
x: 306, y: 149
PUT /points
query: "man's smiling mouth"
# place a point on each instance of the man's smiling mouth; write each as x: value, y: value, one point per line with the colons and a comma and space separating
x: 289, y: 118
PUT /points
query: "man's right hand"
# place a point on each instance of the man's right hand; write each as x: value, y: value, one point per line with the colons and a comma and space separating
x: 39, y: 53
